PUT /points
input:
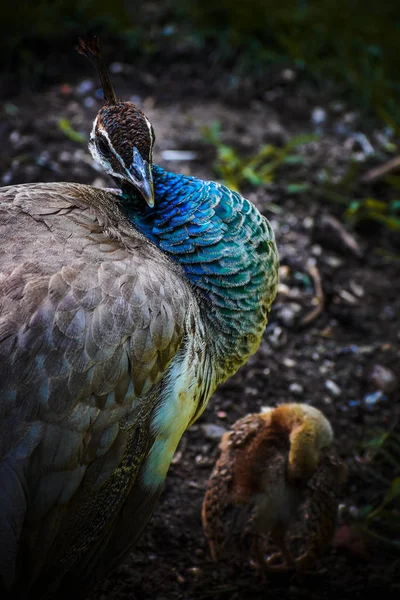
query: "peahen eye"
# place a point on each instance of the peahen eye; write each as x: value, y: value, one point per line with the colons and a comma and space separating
x: 103, y: 148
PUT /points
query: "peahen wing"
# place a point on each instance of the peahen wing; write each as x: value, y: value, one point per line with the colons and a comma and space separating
x: 91, y: 317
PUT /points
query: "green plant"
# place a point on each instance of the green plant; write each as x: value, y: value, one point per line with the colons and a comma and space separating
x: 267, y: 166
x: 260, y: 168
x: 359, y: 206
x: 371, y: 209
x: 65, y: 126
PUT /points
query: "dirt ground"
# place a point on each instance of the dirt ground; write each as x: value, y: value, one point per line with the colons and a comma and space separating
x: 330, y: 362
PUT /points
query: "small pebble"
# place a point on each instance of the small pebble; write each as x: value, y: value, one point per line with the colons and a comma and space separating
x: 98, y: 182
x: 318, y: 115
x: 179, y: 155
x: 333, y: 388
x: 316, y: 250
x: 347, y: 297
x: 353, y: 511
x: 353, y: 403
x: 221, y: 414
x: 84, y: 87
x: 284, y: 272
x: 65, y: 89
x: 64, y: 157
x: 337, y: 106
x: 288, y: 74
x: 289, y: 362
x: 387, y: 346
x: 356, y: 289
x: 15, y: 136
x: 384, y: 379
x: 177, y: 457
x: 212, y: 431
x: 283, y: 289
x: 275, y: 336
x: 116, y: 67
x: 308, y: 223
x: 371, y: 399
x: 333, y: 261
x: 251, y: 391
x: 6, y: 178
x: 43, y: 158
x: 365, y: 349
x: 287, y: 314
x: 350, y: 117
x: 364, y: 143
x: 359, y: 157
x: 88, y: 102
x: 296, y: 389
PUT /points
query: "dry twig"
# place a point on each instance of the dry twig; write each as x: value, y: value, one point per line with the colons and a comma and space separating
x: 380, y: 171
x: 319, y: 294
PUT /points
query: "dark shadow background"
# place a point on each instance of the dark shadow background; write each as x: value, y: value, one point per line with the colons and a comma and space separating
x: 352, y: 42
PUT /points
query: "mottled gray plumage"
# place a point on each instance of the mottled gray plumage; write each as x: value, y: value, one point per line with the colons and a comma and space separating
x: 77, y: 344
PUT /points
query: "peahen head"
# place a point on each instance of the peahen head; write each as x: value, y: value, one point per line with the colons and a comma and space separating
x: 122, y: 138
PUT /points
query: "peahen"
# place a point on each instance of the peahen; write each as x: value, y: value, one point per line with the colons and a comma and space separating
x: 120, y: 313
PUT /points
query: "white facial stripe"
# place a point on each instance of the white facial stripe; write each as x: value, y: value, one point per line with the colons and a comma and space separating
x: 105, y: 134
x: 149, y: 127
x: 98, y: 157
x: 92, y: 133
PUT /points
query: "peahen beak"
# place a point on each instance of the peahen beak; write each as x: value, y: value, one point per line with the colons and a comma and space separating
x: 139, y: 175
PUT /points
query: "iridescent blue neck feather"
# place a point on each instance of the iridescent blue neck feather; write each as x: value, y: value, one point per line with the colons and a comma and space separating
x: 226, y: 249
